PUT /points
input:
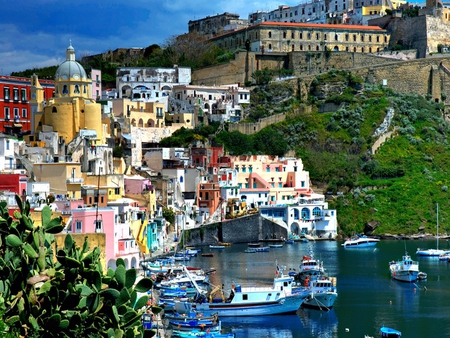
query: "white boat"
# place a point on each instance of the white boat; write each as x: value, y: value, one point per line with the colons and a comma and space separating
x: 278, y: 298
x: 360, y: 241
x: 405, y: 270
x: 437, y: 251
x: 323, y: 294
x: 310, y: 268
x: 217, y: 246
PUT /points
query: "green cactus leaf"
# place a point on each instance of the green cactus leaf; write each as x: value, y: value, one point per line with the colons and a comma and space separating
x: 124, y: 297
x: 120, y: 275
x: 144, y: 285
x: 115, y: 315
x: 130, y: 317
x: 64, y: 324
x: 54, y: 226
x: 13, y: 241
x: 29, y: 250
x: 45, y: 287
x: 96, y: 280
x: 130, y: 278
x: 17, y: 214
x: 34, y: 323
x: 110, y: 272
x: 82, y: 303
x: 110, y: 333
x: 27, y: 222
x: 83, y: 290
x: 11, y: 320
x: 19, y: 203
x: 110, y: 294
x: 54, y: 321
x: 68, y: 242
x: 120, y: 262
x: 46, y: 215
x: 156, y: 309
x: 72, y: 262
x: 141, y: 302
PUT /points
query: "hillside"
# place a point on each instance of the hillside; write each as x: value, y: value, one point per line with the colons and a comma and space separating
x: 397, y: 188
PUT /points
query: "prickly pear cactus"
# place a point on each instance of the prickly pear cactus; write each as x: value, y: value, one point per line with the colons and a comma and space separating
x: 63, y: 292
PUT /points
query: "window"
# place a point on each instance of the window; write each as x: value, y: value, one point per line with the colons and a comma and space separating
x: 280, y: 185
x: 117, y: 191
x: 65, y: 90
x: 16, y: 113
x: 24, y: 94
x: 16, y: 94
x: 7, y: 144
x: 292, y: 35
x: 78, y: 226
x: 301, y: 36
x: 77, y: 89
x: 98, y: 226
x: 303, y: 184
x: 7, y: 116
x: 268, y: 169
x: 270, y: 34
x: 284, y: 35
x: 6, y: 93
x: 346, y: 37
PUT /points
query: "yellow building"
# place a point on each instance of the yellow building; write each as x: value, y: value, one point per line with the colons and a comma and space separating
x: 72, y: 108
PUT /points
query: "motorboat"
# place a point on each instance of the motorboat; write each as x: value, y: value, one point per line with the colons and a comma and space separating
x: 261, y: 249
x: 217, y: 246
x: 360, y: 241
x: 389, y: 332
x: 310, y: 268
x: 405, y: 270
x: 278, y: 298
x: 433, y: 252
x: 275, y: 245
x: 323, y: 294
x: 422, y: 275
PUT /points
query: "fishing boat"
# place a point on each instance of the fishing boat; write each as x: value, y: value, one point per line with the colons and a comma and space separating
x: 250, y: 250
x: 217, y: 246
x: 199, y: 323
x: 310, y: 268
x: 189, y: 316
x: 323, y: 294
x: 360, y: 241
x: 437, y: 251
x: 278, y: 298
x: 261, y: 249
x: 405, y: 270
x: 289, y: 241
x: 207, y: 254
x: 389, y: 332
x: 208, y: 333
x: 275, y: 245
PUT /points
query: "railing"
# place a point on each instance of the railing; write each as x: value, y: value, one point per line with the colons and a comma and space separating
x: 75, y: 180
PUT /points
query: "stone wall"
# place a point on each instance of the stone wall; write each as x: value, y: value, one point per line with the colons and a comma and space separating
x: 240, y: 230
x: 253, y: 128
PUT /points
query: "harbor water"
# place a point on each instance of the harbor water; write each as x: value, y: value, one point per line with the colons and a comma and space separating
x: 367, y: 300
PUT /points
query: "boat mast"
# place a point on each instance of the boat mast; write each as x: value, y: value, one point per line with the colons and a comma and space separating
x: 437, y: 226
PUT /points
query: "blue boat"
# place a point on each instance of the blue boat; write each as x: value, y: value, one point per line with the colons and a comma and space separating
x: 289, y: 241
x: 262, y: 249
x: 388, y: 332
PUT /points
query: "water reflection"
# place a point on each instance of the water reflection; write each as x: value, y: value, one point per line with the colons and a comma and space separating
x: 306, y: 322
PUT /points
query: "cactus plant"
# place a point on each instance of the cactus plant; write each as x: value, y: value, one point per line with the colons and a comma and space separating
x: 48, y: 291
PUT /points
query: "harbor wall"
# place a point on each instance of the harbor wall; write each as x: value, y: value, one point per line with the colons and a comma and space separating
x: 245, y: 229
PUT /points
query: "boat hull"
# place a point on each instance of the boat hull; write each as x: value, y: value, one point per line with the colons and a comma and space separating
x: 322, y: 301
x: 405, y: 276
x: 431, y: 252
x: 289, y: 304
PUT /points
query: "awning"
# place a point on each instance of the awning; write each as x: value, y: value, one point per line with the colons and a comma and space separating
x: 126, y: 136
x: 17, y: 125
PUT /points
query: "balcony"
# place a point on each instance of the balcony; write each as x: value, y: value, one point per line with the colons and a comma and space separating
x: 75, y: 180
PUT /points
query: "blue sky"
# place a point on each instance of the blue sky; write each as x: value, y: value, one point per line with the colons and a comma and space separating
x: 36, y: 33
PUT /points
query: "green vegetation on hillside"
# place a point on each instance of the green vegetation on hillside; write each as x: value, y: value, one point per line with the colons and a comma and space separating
x: 397, y: 187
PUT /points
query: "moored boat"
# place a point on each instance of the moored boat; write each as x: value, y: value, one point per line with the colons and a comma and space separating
x: 275, y: 245
x: 254, y: 245
x: 250, y: 250
x: 217, y: 246
x: 433, y: 252
x: 250, y: 301
x: 323, y: 294
x: 404, y: 270
x: 207, y: 254
x: 360, y: 241
x: 310, y: 268
x: 389, y: 332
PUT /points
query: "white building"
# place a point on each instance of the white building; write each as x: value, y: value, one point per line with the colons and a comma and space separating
x: 222, y: 103
x: 7, y: 158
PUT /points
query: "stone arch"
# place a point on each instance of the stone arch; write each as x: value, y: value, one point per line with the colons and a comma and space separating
x: 111, y: 264
x: 133, y: 122
x: 294, y: 228
x: 336, y: 48
x: 141, y: 123
x: 134, y: 262
x: 150, y: 123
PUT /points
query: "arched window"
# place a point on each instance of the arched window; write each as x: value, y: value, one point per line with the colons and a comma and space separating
x: 181, y: 179
x: 54, y: 110
x: 77, y: 89
x: 65, y: 90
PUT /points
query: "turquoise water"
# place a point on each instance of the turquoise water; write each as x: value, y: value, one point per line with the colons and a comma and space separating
x: 368, y: 298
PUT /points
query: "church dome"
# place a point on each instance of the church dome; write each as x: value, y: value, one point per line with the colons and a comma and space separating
x: 70, y: 68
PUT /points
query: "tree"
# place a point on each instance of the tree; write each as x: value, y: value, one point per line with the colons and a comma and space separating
x: 62, y: 292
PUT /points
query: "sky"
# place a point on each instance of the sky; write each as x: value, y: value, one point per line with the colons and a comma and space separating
x: 36, y: 33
